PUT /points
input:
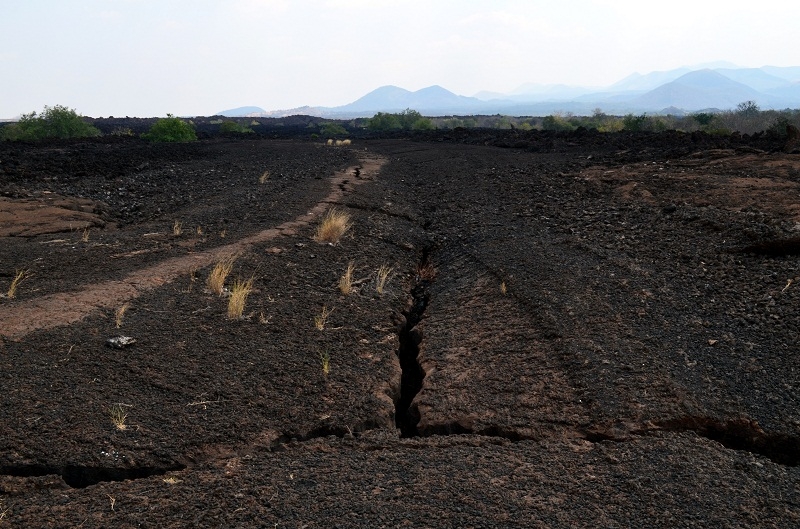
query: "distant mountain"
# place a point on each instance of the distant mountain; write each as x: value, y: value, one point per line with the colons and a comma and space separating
x: 637, y: 81
x: 241, y: 112
x: 697, y: 90
x: 395, y: 99
x: 682, y: 90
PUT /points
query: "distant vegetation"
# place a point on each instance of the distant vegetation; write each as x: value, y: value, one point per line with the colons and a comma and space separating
x: 53, y: 122
x: 405, y: 120
x: 232, y: 127
x: 170, y: 129
x: 746, y: 118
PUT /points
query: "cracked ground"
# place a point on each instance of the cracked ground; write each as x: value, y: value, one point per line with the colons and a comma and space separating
x: 576, y: 331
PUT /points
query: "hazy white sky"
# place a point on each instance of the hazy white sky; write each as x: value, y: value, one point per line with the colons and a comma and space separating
x: 197, y: 57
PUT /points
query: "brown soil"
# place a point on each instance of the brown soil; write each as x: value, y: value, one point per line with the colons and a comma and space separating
x: 579, y: 330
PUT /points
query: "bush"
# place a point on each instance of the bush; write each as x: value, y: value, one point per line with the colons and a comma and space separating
x: 232, y: 127
x: 54, y: 122
x: 330, y: 130
x: 405, y: 120
x: 634, y: 123
x: 170, y: 129
x: 557, y: 122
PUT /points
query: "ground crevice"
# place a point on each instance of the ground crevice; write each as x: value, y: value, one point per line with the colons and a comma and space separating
x: 406, y: 414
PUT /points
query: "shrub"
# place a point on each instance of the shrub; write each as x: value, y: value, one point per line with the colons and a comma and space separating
x: 330, y: 130
x: 232, y: 127
x: 405, y: 120
x: 54, y: 122
x: 170, y: 129
x: 557, y: 122
x: 634, y: 123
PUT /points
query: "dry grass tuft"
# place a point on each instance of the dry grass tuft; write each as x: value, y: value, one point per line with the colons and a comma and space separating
x: 216, y: 279
x: 426, y: 272
x: 333, y: 225
x: 118, y: 417
x: 503, y: 288
x: 120, y: 313
x: 384, y: 272
x: 346, y: 281
x: 85, y: 236
x: 325, y: 360
x: 239, y: 292
x: 19, y: 277
x: 263, y: 178
x: 177, y: 228
x: 341, y: 143
x: 321, y: 318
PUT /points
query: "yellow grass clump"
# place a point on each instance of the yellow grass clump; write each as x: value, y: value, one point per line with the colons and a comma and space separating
x: 19, y: 277
x: 177, y: 228
x: 263, y: 178
x: 325, y: 360
x: 216, y: 279
x: 118, y: 417
x: 239, y: 292
x: 321, y: 318
x: 382, y: 278
x: 334, y: 224
x: 346, y: 281
x: 120, y: 313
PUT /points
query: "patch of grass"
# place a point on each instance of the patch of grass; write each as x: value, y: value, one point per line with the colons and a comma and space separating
x: 216, y: 279
x: 19, y: 277
x: 325, y: 360
x: 333, y: 226
x: 503, y: 288
x: 321, y: 318
x: 118, y: 417
x: 384, y: 272
x: 120, y: 313
x: 85, y: 236
x: 346, y: 281
x: 239, y: 292
x: 177, y: 228
x: 263, y: 178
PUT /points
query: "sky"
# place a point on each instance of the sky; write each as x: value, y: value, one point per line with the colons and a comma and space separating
x: 198, y: 57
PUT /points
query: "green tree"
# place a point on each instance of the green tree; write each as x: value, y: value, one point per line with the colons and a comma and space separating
x: 634, y: 123
x: 54, y: 122
x: 747, y: 109
x: 406, y: 120
x: 383, y: 121
x: 170, y: 129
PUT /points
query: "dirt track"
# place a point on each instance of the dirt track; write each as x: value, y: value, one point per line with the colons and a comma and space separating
x: 575, y: 335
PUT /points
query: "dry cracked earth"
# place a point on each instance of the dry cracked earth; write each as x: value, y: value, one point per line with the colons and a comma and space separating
x: 578, y: 330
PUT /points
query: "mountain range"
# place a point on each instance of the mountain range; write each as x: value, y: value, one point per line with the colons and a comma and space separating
x: 679, y: 91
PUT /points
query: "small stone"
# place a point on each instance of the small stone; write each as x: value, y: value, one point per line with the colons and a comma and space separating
x: 120, y: 342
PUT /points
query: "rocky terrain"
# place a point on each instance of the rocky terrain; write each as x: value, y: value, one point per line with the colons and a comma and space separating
x: 576, y: 330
